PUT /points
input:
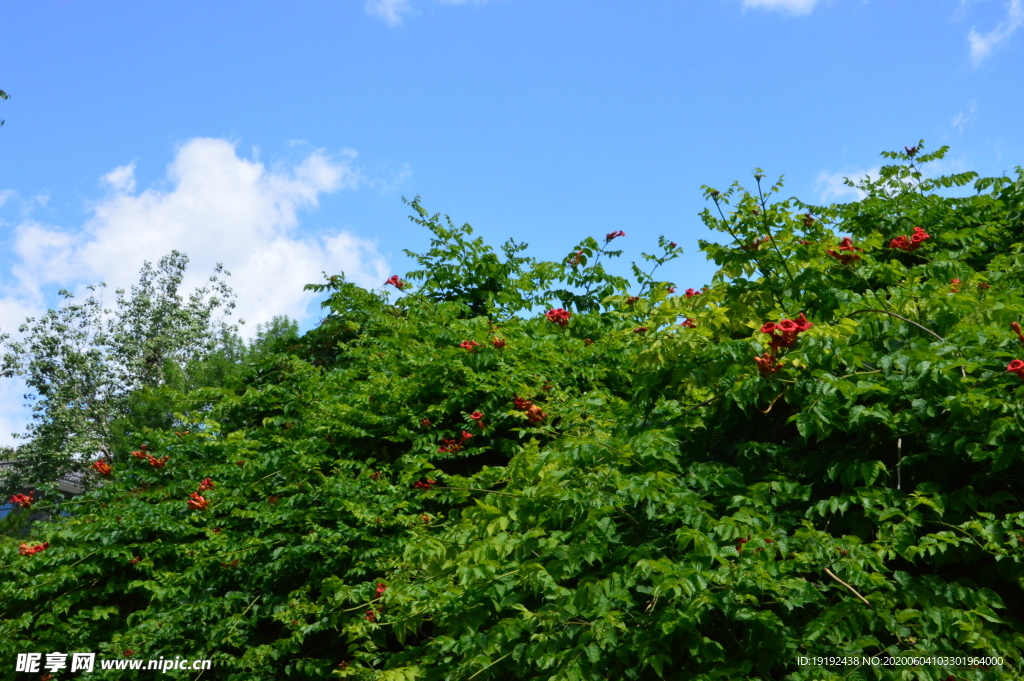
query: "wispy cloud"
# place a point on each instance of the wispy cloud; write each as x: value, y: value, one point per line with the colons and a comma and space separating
x: 983, y: 45
x: 391, y: 11
x: 794, y: 7
x: 963, y: 118
x: 832, y: 187
x: 394, y: 11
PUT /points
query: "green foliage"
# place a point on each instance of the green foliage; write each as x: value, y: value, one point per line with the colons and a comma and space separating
x: 456, y: 486
x: 94, y: 372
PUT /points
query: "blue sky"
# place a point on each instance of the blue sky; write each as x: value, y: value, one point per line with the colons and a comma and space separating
x: 279, y: 138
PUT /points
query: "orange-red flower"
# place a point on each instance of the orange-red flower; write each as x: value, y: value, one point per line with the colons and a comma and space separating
x: 613, y: 235
x: 469, y: 345
x: 396, y: 282
x: 205, y: 485
x: 558, y: 316
x: 1016, y: 367
x: 641, y: 330
x: 381, y: 588
x: 498, y: 342
x: 27, y: 550
x: 690, y: 292
x: 688, y: 324
x: 910, y: 244
x: 23, y: 500
x: 1016, y: 329
x: 197, y: 502
x: 102, y: 468
x: 157, y: 463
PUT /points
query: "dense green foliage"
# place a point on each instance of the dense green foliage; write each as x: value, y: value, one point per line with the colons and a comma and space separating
x: 638, y: 499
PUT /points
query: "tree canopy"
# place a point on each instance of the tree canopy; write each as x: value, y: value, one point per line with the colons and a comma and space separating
x: 538, y: 470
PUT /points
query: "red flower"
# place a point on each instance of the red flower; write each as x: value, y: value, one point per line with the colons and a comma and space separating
x: 196, y: 502
x: 139, y: 455
x: 381, y: 588
x: 371, y: 616
x: 613, y: 235
x: 273, y: 499
x: 983, y: 285
x: 469, y: 345
x: 587, y: 341
x: 640, y: 329
x: 1016, y: 367
x: 910, y: 151
x: 905, y: 244
x: 1016, y: 329
x: 128, y: 652
x: 27, y: 550
x: 498, y: 342
x: 24, y: 501
x: 521, y: 404
x: 802, y: 323
x: 425, y: 485
x: 157, y: 463
x: 787, y: 326
x: 954, y: 288
x: 424, y: 422
x: 558, y: 316
x: 476, y: 416
x: 808, y: 220
x: 534, y: 414
x: 205, y: 485
x: 672, y: 244
x: 396, y: 282
x: 690, y: 293
x: 632, y: 300
x: 768, y: 327
x: 426, y: 519
x: 135, y: 561
x: 102, y: 468
x: 688, y: 324
x: 671, y: 289
x: 465, y: 436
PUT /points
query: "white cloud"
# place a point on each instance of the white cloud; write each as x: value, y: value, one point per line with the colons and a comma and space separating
x: 393, y: 11
x: 794, y: 7
x: 830, y: 186
x: 962, y: 119
x: 982, y: 45
x: 122, y: 178
x: 390, y: 11
x: 217, y: 207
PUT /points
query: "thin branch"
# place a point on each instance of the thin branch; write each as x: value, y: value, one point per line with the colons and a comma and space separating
x: 963, y: 372
x: 852, y: 590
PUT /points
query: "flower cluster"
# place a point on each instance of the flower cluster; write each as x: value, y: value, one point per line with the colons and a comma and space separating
x: 23, y: 500
x: 381, y: 588
x: 157, y: 463
x: 1016, y: 367
x: 469, y: 345
x: 205, y: 485
x: 847, y: 251
x: 910, y: 244
x: 783, y: 335
x: 688, y: 324
x: 575, y: 260
x: 27, y: 550
x: 613, y: 235
x: 141, y: 453
x: 371, y: 615
x: 396, y: 282
x: 425, y: 485
x: 197, y: 502
x: 641, y: 330
x: 785, y: 332
x: 102, y: 467
x: 533, y: 412
x: 452, y: 446
x: 954, y: 285
x: 558, y: 316
x: 499, y: 342
x: 690, y: 292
